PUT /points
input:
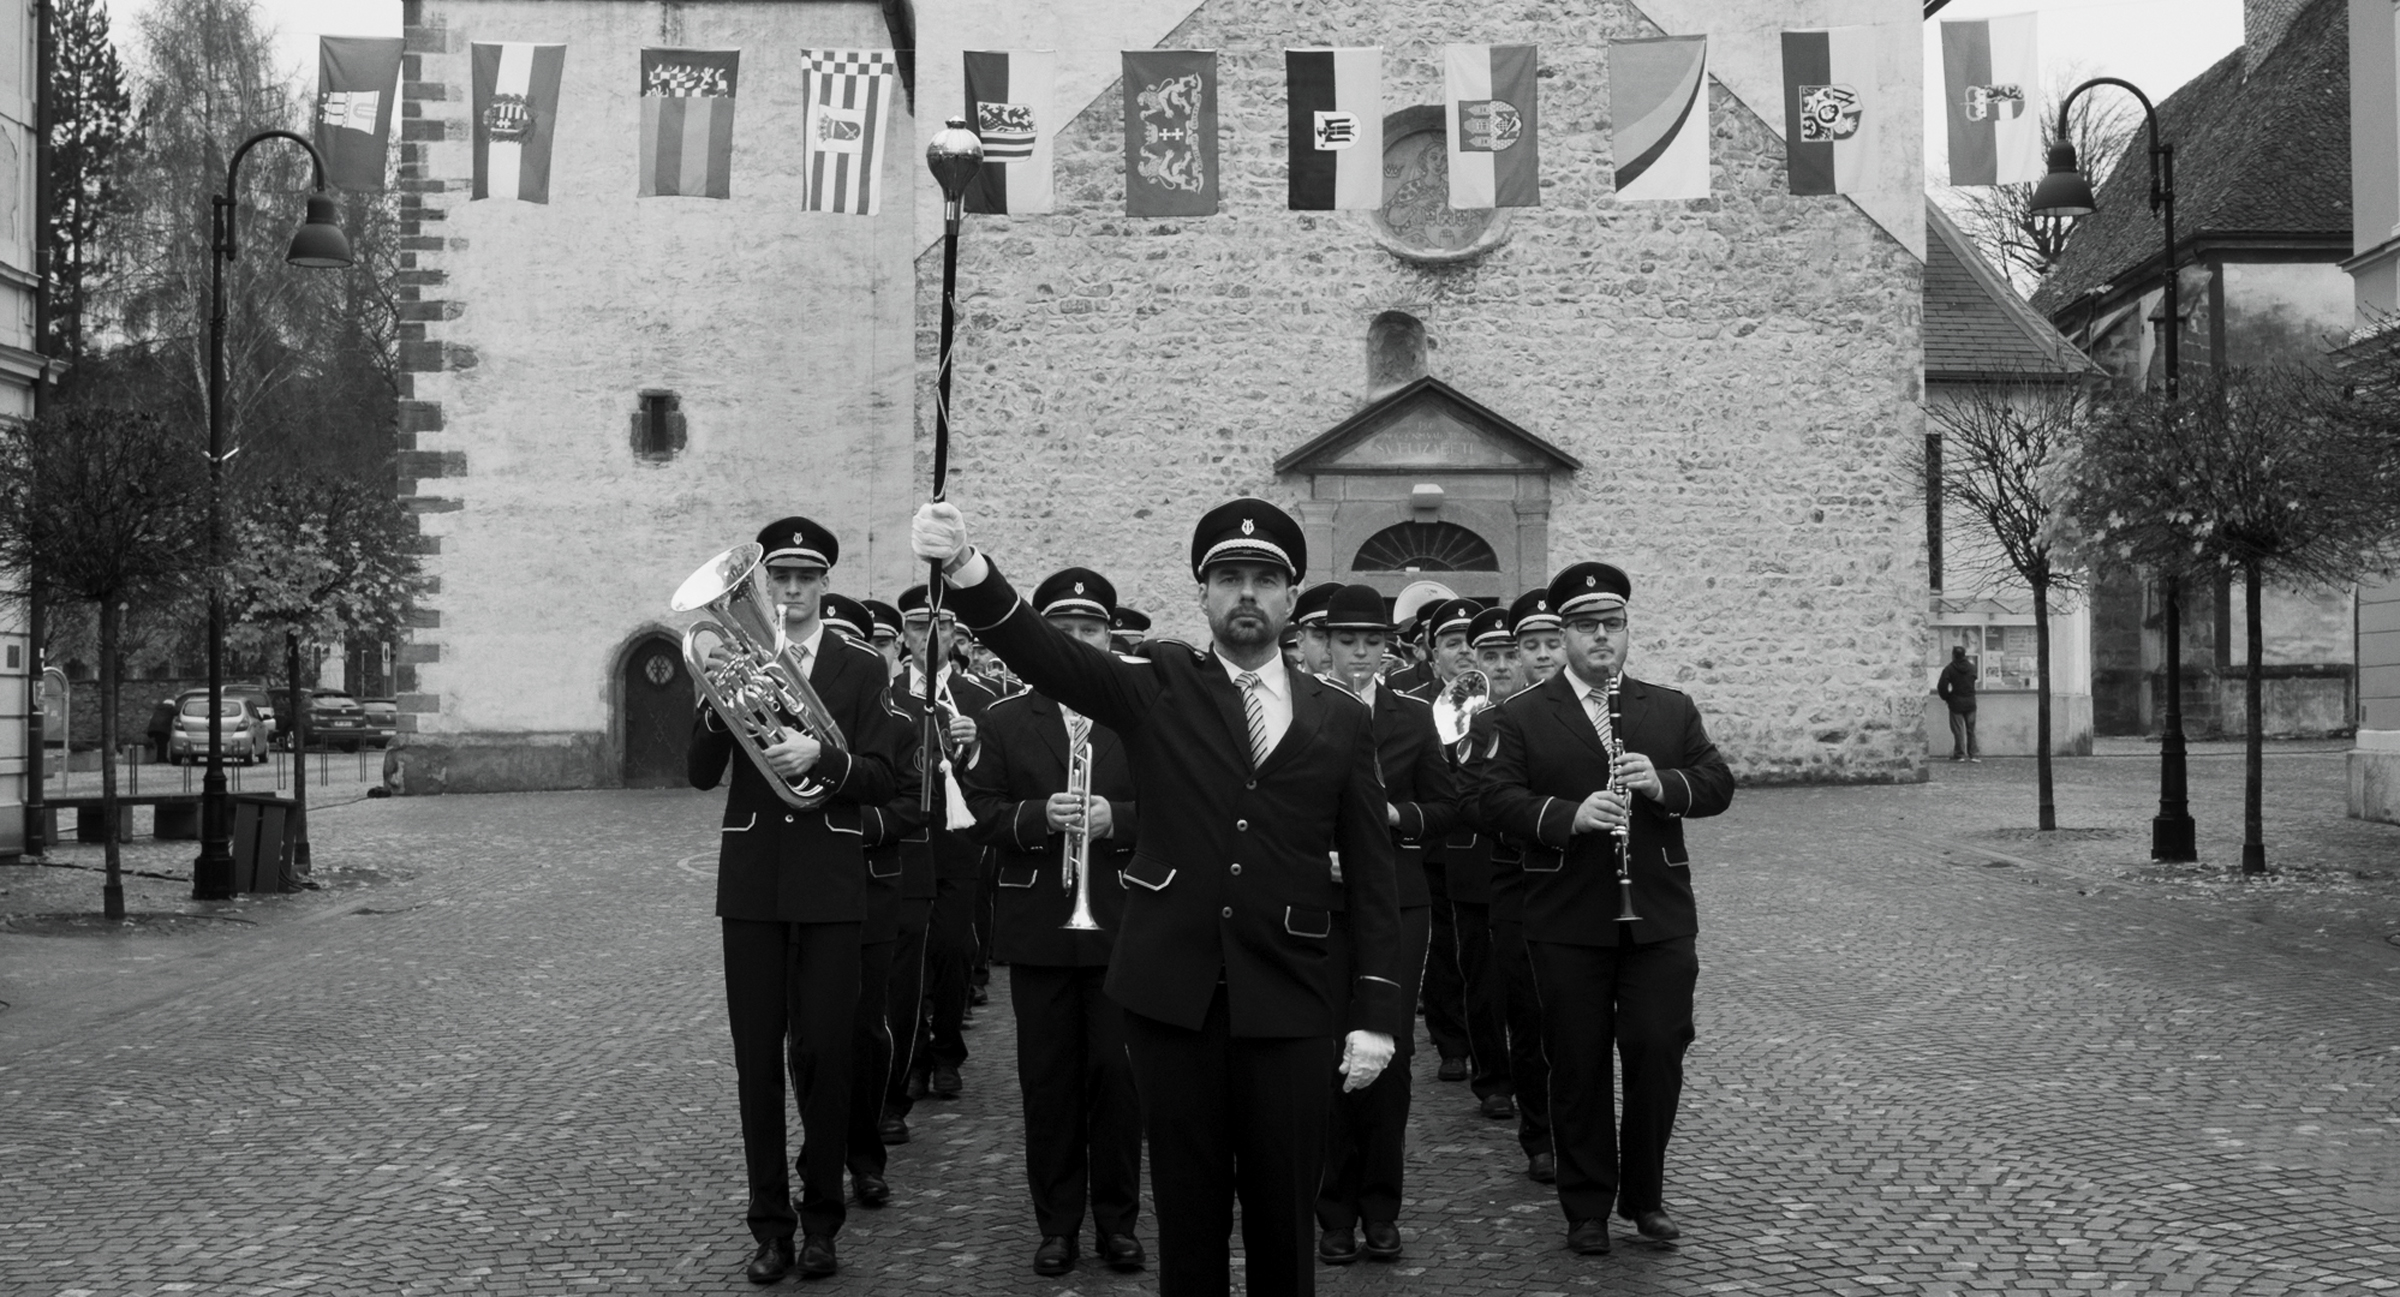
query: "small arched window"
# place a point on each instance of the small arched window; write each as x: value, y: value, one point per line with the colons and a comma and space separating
x: 1425, y: 547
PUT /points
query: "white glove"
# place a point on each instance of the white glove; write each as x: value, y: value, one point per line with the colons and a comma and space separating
x: 938, y: 533
x: 1364, y: 1056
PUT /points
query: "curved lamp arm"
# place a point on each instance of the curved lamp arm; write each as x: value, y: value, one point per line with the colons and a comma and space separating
x: 227, y: 247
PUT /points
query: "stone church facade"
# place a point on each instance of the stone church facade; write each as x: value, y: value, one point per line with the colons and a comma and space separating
x: 1716, y: 394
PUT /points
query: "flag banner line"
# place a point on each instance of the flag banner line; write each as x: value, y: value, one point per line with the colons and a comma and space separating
x: 687, y: 122
x: 515, y: 109
x: 1490, y: 107
x: 358, y: 77
x: 1658, y: 104
x: 1011, y: 107
x: 1170, y: 132
x: 1334, y: 136
x: 1990, y: 100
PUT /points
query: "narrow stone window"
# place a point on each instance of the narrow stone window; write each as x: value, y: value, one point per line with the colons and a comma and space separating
x: 1395, y: 352
x: 658, y: 431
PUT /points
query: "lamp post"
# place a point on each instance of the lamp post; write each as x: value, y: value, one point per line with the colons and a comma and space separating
x: 2067, y: 192
x: 318, y: 245
x: 954, y: 156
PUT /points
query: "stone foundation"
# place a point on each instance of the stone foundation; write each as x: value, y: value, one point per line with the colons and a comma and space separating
x: 2375, y: 776
x: 499, y: 763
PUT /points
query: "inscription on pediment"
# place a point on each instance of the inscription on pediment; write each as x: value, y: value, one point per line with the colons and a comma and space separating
x: 1426, y: 426
x: 1433, y: 438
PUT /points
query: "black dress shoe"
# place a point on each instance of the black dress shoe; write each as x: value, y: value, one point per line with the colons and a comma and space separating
x: 1383, y: 1240
x: 1542, y: 1168
x: 945, y: 1084
x: 979, y: 997
x: 1499, y: 1107
x: 1338, y: 1247
x: 770, y: 1262
x: 1055, y: 1256
x: 893, y: 1129
x: 1453, y: 1069
x: 918, y: 1084
x: 1656, y: 1224
x: 1123, y: 1253
x: 1588, y: 1237
x: 872, y: 1190
x: 816, y: 1256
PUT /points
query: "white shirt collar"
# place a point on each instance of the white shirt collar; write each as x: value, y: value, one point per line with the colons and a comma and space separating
x: 1584, y: 693
x: 1271, y: 675
x: 1366, y: 692
x: 807, y: 648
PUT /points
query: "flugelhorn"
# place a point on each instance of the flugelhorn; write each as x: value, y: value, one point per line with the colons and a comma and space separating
x: 1076, y: 861
x: 759, y: 690
x: 1454, y: 708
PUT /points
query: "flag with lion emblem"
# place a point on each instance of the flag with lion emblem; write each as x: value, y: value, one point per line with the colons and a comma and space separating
x: 1829, y: 111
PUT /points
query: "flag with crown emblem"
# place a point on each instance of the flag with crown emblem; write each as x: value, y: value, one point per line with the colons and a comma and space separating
x: 1170, y: 132
x: 847, y: 95
x: 515, y: 110
x: 1011, y: 107
x: 1830, y: 113
x: 357, y: 79
x: 1489, y: 94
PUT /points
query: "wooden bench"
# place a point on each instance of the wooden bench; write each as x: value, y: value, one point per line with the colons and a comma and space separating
x: 260, y: 824
x: 173, y: 815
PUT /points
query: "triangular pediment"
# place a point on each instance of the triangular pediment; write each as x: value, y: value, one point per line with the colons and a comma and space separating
x: 1427, y: 427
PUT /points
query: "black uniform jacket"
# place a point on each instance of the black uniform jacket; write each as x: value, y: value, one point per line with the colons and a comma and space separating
x: 1232, y: 877
x: 780, y: 864
x: 934, y: 851
x: 1549, y: 758
x: 1504, y: 855
x: 1023, y: 761
x: 1417, y: 783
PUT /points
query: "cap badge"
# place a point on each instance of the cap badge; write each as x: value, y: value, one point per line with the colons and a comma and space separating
x: 1249, y: 527
x: 1589, y: 580
x: 1541, y: 605
x: 1079, y: 587
x: 799, y: 538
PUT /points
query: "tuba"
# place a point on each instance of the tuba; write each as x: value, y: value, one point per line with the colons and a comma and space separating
x: 760, y: 690
x: 1469, y: 692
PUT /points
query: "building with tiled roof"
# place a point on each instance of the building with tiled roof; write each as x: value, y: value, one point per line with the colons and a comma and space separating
x: 1977, y: 329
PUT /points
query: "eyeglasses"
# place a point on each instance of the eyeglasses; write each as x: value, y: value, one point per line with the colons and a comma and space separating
x: 1595, y: 625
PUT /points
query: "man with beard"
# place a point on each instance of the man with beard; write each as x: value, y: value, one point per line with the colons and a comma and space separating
x: 1248, y: 968
x: 1577, y: 757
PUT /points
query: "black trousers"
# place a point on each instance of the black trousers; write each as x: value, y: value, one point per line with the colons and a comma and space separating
x: 1636, y: 1000
x: 792, y: 985
x: 1367, y: 1136
x: 1232, y: 1116
x: 870, y: 1057
x: 1083, y: 1123
x: 949, y: 963
x: 1444, y: 990
x: 1521, y: 1010
x: 906, y: 998
x: 1479, y: 990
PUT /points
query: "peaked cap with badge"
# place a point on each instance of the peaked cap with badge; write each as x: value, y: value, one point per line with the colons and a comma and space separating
x: 847, y: 615
x: 915, y: 605
x: 1450, y: 616
x: 886, y: 617
x: 798, y: 542
x: 1491, y: 629
x: 1532, y: 614
x: 1076, y: 592
x: 1309, y: 608
x: 1589, y: 587
x: 1248, y: 530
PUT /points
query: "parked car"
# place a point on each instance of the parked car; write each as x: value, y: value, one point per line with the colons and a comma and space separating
x: 260, y: 697
x: 335, y: 720
x: 243, y: 731
x: 383, y: 720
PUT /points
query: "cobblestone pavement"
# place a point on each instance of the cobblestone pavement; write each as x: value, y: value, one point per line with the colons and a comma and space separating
x: 1937, y: 1055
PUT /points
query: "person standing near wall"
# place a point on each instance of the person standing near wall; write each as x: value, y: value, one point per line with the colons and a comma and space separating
x: 1957, y: 688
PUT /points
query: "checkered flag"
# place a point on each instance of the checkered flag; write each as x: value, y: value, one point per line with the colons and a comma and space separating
x: 849, y: 95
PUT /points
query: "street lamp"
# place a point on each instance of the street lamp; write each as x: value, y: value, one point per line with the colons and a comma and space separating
x: 953, y: 156
x: 318, y: 244
x: 2067, y: 192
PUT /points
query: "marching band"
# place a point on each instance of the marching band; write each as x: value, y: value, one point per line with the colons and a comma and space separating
x: 1224, y: 880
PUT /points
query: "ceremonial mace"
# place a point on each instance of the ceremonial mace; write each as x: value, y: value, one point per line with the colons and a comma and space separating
x: 954, y: 156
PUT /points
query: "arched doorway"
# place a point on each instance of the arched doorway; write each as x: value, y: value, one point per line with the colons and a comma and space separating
x: 657, y: 694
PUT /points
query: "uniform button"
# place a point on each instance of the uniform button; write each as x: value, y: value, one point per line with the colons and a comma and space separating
x: 1252, y: 784
x: 1237, y: 869
x: 787, y: 819
x: 1228, y: 911
x: 1243, y: 825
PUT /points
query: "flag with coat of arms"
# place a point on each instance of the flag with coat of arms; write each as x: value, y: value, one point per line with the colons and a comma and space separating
x: 356, y: 80
x: 1011, y: 108
x: 515, y: 107
x: 1830, y: 114
x: 1490, y: 94
x: 1336, y: 136
x: 847, y: 96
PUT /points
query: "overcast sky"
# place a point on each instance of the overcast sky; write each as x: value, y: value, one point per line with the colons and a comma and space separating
x: 2156, y: 44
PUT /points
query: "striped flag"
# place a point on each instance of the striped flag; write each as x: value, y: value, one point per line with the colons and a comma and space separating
x: 1829, y: 109
x: 357, y: 79
x: 1170, y: 132
x: 848, y: 94
x: 687, y: 122
x: 1658, y: 104
x: 1336, y: 98
x: 516, y: 116
x: 1495, y: 157
x: 1011, y: 103
x: 1988, y: 74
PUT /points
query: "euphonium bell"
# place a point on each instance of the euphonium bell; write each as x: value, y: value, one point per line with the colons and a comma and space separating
x: 1468, y: 692
x: 760, y: 690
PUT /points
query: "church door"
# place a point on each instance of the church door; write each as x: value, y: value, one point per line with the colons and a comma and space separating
x: 658, y: 714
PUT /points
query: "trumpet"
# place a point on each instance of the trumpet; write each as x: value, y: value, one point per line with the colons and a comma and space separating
x: 1623, y: 833
x: 1076, y: 859
x: 1468, y: 692
x: 760, y: 690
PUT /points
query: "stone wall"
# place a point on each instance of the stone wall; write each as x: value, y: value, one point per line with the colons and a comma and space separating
x: 531, y: 331
x: 1739, y: 376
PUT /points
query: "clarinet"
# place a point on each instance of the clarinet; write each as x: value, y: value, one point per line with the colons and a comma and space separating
x: 1623, y: 833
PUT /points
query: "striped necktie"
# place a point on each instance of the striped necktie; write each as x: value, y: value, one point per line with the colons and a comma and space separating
x: 1256, y: 708
x: 1079, y: 729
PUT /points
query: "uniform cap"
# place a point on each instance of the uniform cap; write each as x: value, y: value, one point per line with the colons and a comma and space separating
x: 1532, y: 613
x: 1451, y: 615
x: 1309, y: 608
x: 1357, y: 607
x: 1491, y: 629
x: 1589, y: 587
x: 1131, y: 620
x: 887, y: 618
x: 915, y: 605
x: 1248, y: 530
x: 847, y: 615
x: 795, y: 540
x: 1075, y: 592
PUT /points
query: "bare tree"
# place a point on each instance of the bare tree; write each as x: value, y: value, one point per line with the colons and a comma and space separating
x: 2286, y: 474
x: 2001, y: 448
x: 99, y: 505
x: 2000, y: 219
